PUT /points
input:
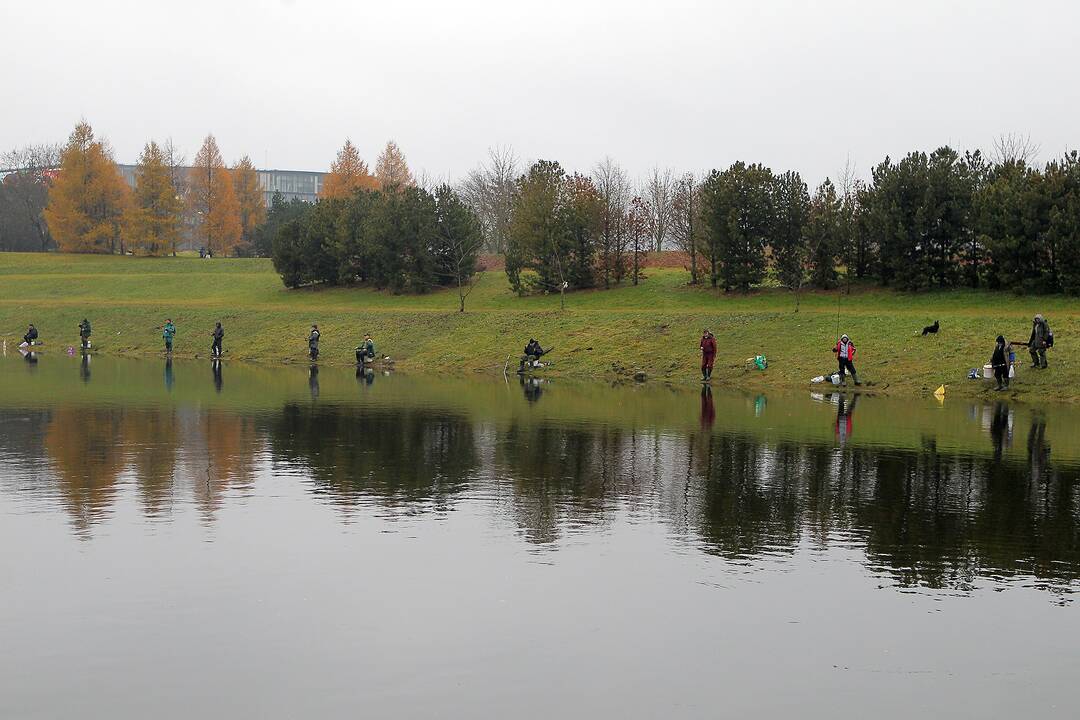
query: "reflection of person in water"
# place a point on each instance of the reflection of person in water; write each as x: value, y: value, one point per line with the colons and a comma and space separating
x: 364, y: 374
x: 708, y: 410
x: 1038, y: 448
x: 844, y: 412
x: 168, y: 373
x: 999, y: 429
x: 313, y: 381
x: 84, y: 368
x: 532, y: 387
x: 215, y: 365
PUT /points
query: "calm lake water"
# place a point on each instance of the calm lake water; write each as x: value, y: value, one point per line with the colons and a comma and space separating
x: 187, y: 541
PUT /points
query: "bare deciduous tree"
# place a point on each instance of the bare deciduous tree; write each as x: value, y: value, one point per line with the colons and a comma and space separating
x: 490, y: 191
x: 1014, y: 149
x: 26, y: 187
x: 660, y: 193
x: 614, y: 189
x: 685, y: 220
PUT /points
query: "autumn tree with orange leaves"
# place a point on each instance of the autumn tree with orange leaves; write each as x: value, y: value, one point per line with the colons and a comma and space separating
x: 348, y: 173
x: 155, y: 217
x: 212, y: 201
x: 89, y: 199
x: 249, y: 198
x: 391, y: 170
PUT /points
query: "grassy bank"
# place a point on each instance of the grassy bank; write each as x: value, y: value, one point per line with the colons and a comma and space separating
x: 605, y: 334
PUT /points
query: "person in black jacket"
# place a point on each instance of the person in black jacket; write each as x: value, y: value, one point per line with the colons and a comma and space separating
x: 31, y: 335
x: 533, y: 352
x: 313, y: 342
x: 1038, y: 342
x: 218, y: 335
x: 84, y: 333
x: 1000, y: 362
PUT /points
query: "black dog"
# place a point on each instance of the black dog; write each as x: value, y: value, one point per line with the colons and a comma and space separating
x: 931, y: 329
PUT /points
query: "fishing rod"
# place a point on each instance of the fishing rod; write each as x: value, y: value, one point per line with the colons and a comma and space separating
x: 839, y: 295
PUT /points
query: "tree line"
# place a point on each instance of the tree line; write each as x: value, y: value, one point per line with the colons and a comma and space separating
x: 74, y: 198
x: 927, y: 220
x: 382, y: 229
x: 936, y: 220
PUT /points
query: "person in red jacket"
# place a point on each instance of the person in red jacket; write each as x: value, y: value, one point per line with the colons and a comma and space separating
x: 845, y: 354
x: 708, y: 354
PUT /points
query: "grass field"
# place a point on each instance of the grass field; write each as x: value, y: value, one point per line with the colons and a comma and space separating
x: 653, y: 327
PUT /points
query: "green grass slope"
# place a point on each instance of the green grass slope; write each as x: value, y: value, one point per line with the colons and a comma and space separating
x: 653, y: 327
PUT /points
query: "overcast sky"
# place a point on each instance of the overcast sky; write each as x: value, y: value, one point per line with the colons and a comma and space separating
x: 690, y: 85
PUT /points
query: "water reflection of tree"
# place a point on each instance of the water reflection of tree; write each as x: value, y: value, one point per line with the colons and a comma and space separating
x: 564, y: 474
x: 222, y: 458
x: 87, y: 458
x: 401, y: 457
x: 925, y: 519
x: 151, y: 437
x: 90, y: 448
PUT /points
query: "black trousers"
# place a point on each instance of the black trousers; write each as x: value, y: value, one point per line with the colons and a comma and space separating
x: 215, y: 349
x: 846, y: 364
x: 1001, y: 374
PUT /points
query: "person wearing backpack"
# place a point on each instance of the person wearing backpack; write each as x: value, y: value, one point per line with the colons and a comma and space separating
x: 1041, y: 338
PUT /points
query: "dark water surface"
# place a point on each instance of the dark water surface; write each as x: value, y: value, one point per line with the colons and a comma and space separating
x: 186, y: 541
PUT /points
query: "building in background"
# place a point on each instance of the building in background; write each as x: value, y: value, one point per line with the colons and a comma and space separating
x: 299, y: 184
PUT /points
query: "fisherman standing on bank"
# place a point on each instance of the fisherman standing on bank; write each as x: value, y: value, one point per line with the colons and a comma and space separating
x: 218, y: 335
x: 1039, y: 341
x: 845, y: 355
x: 999, y: 361
x: 313, y: 342
x: 84, y: 334
x: 708, y: 354
x: 168, y: 333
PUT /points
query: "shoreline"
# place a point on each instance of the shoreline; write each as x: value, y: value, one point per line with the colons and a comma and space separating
x: 602, y: 335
